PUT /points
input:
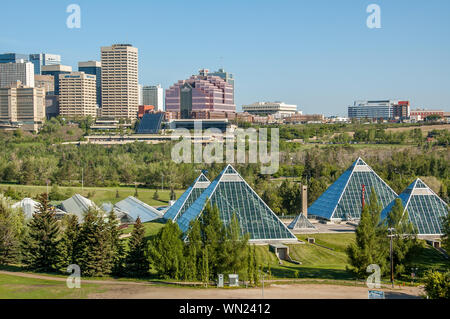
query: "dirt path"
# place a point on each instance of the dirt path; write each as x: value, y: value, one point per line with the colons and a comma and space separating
x: 54, y: 278
x: 293, y: 291
x: 115, y: 289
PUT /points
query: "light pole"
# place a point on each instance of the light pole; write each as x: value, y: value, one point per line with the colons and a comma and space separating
x: 391, y: 230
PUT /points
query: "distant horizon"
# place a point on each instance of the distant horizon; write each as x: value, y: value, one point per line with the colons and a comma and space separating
x: 318, y: 55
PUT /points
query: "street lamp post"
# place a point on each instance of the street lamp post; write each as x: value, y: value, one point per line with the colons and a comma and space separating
x: 391, y: 230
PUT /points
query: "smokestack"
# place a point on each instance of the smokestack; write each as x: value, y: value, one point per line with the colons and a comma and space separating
x: 305, y: 200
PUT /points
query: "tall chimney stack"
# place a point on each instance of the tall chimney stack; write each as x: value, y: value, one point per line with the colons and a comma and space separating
x: 305, y: 200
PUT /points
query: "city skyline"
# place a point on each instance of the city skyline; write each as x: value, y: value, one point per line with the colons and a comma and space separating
x: 320, y: 56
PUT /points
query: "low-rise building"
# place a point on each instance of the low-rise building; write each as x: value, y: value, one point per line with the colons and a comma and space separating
x: 277, y: 109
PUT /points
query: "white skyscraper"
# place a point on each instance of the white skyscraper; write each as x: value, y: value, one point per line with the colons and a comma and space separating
x: 153, y: 95
x: 13, y: 72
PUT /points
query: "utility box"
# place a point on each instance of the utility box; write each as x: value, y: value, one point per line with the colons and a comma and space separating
x: 220, y: 281
x: 234, y: 280
x: 311, y: 240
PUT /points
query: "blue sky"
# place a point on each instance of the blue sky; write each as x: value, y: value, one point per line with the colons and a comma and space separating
x: 317, y: 54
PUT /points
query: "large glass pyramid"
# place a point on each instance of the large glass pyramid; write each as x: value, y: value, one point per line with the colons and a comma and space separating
x: 343, y: 199
x: 232, y: 194
x: 301, y: 222
x: 425, y: 208
x: 187, y: 198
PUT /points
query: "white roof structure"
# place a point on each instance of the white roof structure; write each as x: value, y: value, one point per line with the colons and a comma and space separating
x: 135, y: 208
x: 77, y: 205
x: 28, y: 206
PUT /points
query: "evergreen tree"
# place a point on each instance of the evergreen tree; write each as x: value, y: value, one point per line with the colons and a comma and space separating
x: 70, y: 240
x: 94, y: 256
x: 166, y: 251
x: 12, y: 228
x: 405, y: 235
x: 116, y: 249
x: 136, y: 262
x: 135, y: 191
x: 41, y: 248
x: 370, y: 245
x: 156, y: 195
x: 117, y: 193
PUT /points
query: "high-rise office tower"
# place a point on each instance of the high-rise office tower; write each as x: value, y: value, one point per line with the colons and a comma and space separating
x: 202, y: 92
x: 93, y: 68
x: 120, y: 93
x: 56, y: 70
x: 12, y: 72
x: 22, y: 105
x: 77, y: 95
x: 153, y: 95
x: 40, y: 59
x: 13, y: 57
x: 228, y: 77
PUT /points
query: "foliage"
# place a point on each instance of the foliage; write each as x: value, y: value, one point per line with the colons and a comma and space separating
x: 437, y: 285
x: 166, y: 251
x: 94, y: 254
x: 370, y: 246
x: 446, y: 232
x: 12, y: 228
x: 41, y: 246
x: 136, y: 262
x: 404, y: 233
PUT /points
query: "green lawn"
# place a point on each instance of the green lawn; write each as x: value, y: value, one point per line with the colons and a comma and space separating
x: 14, y: 287
x: 322, y: 263
x: 151, y: 228
x: 100, y: 194
x: 317, y: 262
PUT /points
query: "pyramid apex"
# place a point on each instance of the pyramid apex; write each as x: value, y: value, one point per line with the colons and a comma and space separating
x: 229, y: 169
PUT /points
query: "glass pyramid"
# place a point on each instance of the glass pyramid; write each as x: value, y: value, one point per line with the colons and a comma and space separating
x: 425, y: 208
x: 343, y: 199
x: 232, y: 194
x: 301, y: 222
x: 187, y: 198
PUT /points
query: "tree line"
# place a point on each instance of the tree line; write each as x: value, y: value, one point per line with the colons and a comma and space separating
x: 46, y: 244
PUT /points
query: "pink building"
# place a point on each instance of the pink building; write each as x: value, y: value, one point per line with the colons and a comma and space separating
x: 200, y: 92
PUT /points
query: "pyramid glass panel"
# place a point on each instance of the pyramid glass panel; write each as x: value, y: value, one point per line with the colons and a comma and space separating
x: 425, y: 208
x: 187, y: 198
x: 232, y: 194
x: 343, y: 199
x: 301, y: 222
